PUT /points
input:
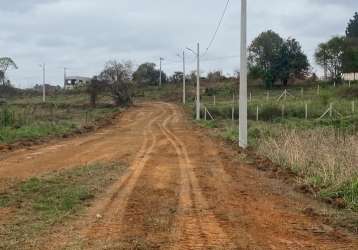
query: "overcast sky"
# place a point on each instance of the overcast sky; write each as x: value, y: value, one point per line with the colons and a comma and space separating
x: 83, y: 34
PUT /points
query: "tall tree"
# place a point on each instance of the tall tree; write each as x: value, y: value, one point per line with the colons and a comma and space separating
x: 350, y: 59
x: 292, y: 62
x: 272, y: 58
x: 147, y: 74
x: 5, y: 64
x: 330, y: 56
x: 352, y: 28
x: 119, y: 78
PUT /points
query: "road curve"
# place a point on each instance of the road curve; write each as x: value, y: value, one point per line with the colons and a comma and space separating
x: 183, y: 190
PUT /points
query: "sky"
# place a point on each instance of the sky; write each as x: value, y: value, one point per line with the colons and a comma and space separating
x: 82, y: 35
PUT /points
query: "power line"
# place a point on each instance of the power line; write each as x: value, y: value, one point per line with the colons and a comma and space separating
x: 221, y: 58
x: 217, y: 28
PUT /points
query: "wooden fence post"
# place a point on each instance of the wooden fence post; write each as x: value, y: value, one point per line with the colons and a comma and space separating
x: 330, y: 109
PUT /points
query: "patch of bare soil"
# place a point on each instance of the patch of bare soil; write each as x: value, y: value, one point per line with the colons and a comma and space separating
x: 184, y: 190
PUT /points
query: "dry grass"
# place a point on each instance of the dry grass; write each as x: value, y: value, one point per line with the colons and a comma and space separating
x: 319, y: 154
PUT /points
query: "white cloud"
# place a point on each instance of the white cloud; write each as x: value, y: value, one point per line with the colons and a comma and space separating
x: 83, y: 34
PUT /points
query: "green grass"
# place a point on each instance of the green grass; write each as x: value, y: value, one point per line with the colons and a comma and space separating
x: 28, y: 118
x: 35, y: 131
x: 321, y: 152
x: 43, y: 202
x: 348, y: 192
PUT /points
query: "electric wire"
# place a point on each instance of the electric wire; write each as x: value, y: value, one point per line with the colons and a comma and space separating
x: 217, y: 28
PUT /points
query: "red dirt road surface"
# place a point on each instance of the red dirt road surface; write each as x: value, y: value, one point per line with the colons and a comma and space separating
x: 183, y: 190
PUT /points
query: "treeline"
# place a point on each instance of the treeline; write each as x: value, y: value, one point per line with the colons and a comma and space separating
x: 340, y: 54
x: 277, y: 60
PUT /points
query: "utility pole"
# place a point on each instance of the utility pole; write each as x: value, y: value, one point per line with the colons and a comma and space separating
x: 184, y: 79
x: 197, y: 81
x: 160, y: 71
x: 64, y: 77
x: 243, y: 78
x: 43, y: 82
x: 198, y: 84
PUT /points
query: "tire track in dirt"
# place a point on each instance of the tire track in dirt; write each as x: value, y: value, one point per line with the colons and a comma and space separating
x: 185, y: 190
x: 196, y: 226
x: 109, y: 227
x: 254, y: 217
x: 68, y: 153
x: 113, y: 210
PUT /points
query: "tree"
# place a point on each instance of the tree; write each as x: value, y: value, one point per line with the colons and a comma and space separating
x: 350, y: 58
x: 215, y: 76
x: 146, y: 74
x: 119, y: 81
x: 94, y: 88
x: 330, y: 56
x: 177, y: 77
x: 5, y: 64
x: 292, y: 62
x: 272, y: 58
x: 352, y: 28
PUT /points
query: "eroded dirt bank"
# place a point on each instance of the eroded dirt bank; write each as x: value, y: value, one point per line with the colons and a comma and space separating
x: 183, y: 190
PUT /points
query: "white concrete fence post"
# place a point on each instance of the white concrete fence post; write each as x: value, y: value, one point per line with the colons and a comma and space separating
x: 233, y: 113
x: 306, y: 111
x: 283, y: 111
x: 353, y: 107
x: 257, y: 113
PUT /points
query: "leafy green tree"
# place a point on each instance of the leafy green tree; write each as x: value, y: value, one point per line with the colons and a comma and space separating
x: 350, y: 60
x: 5, y: 64
x: 177, y: 77
x: 147, y: 74
x: 292, y: 62
x: 272, y: 58
x: 329, y: 55
x: 352, y: 28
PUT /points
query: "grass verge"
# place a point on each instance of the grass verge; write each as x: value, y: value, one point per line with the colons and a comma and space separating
x: 40, y: 203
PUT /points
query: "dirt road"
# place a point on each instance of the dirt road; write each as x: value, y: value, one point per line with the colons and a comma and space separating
x: 183, y: 190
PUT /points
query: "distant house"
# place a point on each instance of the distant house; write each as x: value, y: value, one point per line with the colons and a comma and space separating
x: 72, y: 82
x: 350, y: 76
